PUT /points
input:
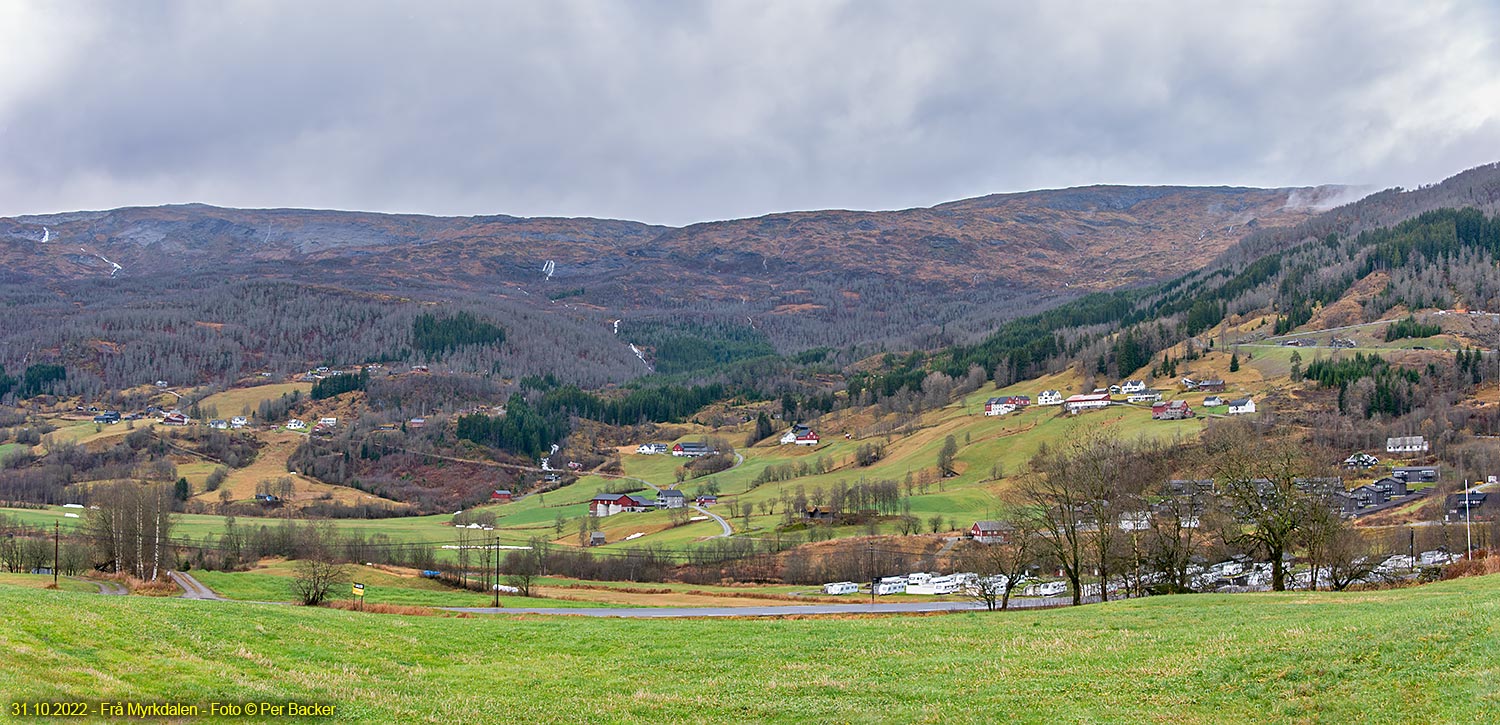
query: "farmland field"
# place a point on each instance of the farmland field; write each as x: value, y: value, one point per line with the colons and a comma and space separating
x: 1415, y: 655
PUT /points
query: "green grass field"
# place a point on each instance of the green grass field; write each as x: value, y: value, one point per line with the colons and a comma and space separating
x: 1416, y: 655
x: 42, y: 581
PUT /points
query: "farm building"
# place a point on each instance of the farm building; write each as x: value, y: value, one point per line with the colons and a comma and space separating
x: 1088, y: 401
x: 1210, y: 386
x: 609, y: 504
x: 692, y: 450
x: 501, y: 495
x: 1049, y: 397
x: 1144, y: 396
x: 651, y: 449
x: 1174, y: 410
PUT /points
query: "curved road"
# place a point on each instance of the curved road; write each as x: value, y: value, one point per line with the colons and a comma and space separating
x: 770, y: 611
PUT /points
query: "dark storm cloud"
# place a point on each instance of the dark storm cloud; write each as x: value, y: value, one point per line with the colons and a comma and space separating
x: 675, y: 112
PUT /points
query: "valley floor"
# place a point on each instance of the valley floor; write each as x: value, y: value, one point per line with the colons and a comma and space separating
x: 1423, y: 654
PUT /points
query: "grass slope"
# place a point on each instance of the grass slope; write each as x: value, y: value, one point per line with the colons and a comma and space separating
x: 1418, y: 655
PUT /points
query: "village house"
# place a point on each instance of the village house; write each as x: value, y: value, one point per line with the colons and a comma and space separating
x: 609, y: 504
x: 1132, y: 386
x: 651, y: 449
x: 1212, y: 401
x: 1360, y: 460
x: 1416, y: 474
x: 692, y: 450
x: 990, y: 532
x: 1174, y: 410
x: 328, y: 422
x: 501, y: 495
x: 239, y: 421
x: 1210, y: 386
x: 176, y: 417
x: 1406, y: 444
x: 1144, y: 396
x: 416, y: 423
x: 706, y: 499
x: 1080, y: 403
x: 1242, y: 406
x: 671, y: 498
x: 998, y: 406
x: 1473, y: 505
x: 800, y: 435
x: 1006, y: 404
x: 296, y: 424
x: 1049, y: 397
x: 219, y: 424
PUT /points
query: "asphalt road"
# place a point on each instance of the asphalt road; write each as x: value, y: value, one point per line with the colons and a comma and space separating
x: 769, y: 611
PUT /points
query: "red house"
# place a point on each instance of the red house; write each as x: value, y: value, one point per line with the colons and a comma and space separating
x: 990, y: 532
x: 500, y: 496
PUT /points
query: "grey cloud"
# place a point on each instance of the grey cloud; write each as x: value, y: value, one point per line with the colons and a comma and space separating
x: 678, y: 112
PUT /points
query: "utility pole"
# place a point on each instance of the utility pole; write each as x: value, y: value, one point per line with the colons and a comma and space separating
x: 497, y: 571
x: 55, y: 537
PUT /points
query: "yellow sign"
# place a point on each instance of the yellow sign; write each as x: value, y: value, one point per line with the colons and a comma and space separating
x: 359, y: 590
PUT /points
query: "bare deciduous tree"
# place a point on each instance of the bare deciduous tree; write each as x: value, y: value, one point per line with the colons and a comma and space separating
x: 313, y: 580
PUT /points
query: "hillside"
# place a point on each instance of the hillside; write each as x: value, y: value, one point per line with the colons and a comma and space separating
x: 1414, y: 655
x: 785, y: 281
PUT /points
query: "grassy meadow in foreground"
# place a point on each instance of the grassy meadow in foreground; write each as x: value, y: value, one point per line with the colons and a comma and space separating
x: 1415, y: 655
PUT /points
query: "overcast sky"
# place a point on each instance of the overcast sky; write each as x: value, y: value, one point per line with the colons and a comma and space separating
x: 681, y: 112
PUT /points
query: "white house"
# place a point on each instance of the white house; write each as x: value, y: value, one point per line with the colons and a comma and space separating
x: 1406, y: 444
x: 1132, y: 386
x: 1086, y: 401
x: 837, y: 588
x: 329, y: 422
x: 1241, y: 406
x: 296, y: 424
x: 239, y: 421
x: 998, y: 406
x: 651, y: 449
x: 1144, y: 396
x: 1049, y: 397
x: 1212, y: 401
